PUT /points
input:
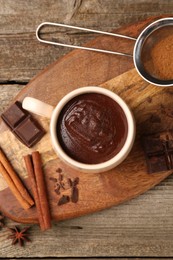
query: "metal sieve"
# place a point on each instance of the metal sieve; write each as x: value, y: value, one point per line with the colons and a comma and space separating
x: 142, y: 47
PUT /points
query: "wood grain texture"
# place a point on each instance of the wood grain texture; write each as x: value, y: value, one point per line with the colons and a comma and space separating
x: 141, y: 227
x: 114, y: 187
x: 120, y: 231
x: 7, y: 94
x: 19, y: 20
x: 97, y: 258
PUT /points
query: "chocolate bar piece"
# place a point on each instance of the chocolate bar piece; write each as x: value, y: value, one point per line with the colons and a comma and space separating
x: 157, y: 163
x: 158, y: 150
x: 14, y: 115
x: 22, y: 124
x: 152, y: 145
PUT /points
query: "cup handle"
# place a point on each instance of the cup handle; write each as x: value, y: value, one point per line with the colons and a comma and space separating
x: 37, y: 107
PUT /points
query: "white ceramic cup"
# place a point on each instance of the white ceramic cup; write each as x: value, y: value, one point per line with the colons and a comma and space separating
x: 40, y: 108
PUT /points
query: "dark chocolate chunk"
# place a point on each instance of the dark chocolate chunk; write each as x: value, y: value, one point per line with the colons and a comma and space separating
x: 152, y: 144
x: 57, y: 185
x: 62, y: 185
x: 75, y: 195
x: 63, y: 200
x: 57, y: 189
x: 14, y: 115
x: 29, y: 132
x: 53, y: 179
x: 70, y: 182
x: 76, y: 181
x: 65, y: 184
x: 22, y: 125
x: 60, y: 177
x: 158, y: 150
x: 157, y: 164
x: 59, y: 170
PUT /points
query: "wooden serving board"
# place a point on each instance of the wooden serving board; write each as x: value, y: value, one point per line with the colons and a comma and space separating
x: 152, y: 108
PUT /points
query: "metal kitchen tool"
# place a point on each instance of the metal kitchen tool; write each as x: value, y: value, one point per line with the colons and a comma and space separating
x: 147, y: 33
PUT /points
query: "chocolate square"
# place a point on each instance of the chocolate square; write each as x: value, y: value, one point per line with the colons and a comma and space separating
x: 158, y: 150
x: 29, y: 132
x: 152, y: 145
x: 14, y: 115
x: 22, y: 125
x: 157, y: 163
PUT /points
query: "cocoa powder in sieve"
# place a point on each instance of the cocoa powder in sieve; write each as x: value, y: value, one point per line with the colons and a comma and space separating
x: 157, y: 54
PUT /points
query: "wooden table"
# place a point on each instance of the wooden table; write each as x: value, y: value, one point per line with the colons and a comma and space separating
x: 142, y: 227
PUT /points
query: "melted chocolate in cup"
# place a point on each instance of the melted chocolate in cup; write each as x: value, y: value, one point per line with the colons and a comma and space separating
x: 92, y: 128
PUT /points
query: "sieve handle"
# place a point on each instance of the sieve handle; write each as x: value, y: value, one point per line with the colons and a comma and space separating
x: 82, y: 29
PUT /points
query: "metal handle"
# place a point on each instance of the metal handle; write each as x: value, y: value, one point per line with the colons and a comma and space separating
x: 81, y: 47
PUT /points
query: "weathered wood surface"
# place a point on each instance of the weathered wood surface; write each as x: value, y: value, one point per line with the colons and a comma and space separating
x: 141, y: 227
x: 103, y: 258
x: 22, y: 56
x: 118, y: 185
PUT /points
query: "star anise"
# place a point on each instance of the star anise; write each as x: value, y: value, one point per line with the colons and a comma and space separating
x: 1, y: 221
x: 19, y: 236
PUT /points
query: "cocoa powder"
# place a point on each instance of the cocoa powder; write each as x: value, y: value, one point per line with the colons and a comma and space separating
x: 157, y: 54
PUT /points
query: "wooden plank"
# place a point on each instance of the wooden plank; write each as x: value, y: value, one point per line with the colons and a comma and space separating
x: 141, y: 227
x: 126, y: 181
x: 7, y: 94
x: 98, y: 258
x: 19, y: 20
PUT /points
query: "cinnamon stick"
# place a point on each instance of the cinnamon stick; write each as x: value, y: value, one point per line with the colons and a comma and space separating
x: 30, y: 170
x: 13, y: 188
x: 34, y: 168
x: 14, y: 182
x: 41, y: 188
